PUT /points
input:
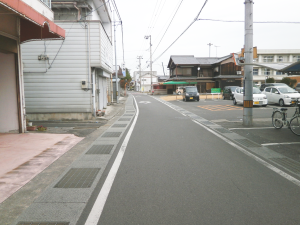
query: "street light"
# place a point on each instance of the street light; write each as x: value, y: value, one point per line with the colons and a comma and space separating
x: 146, y: 37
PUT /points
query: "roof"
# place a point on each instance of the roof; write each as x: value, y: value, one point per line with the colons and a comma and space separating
x: 228, y: 77
x: 295, y: 67
x: 183, y: 60
x: 278, y: 51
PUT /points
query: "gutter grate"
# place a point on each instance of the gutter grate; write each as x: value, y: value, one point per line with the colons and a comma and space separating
x: 43, y: 223
x: 112, y: 134
x: 78, y: 178
x: 288, y: 164
x: 124, y: 119
x: 120, y: 125
x: 100, y: 149
x: 223, y: 130
x: 247, y: 143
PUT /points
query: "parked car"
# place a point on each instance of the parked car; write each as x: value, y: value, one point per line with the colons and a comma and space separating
x: 297, y: 88
x: 263, y: 86
x: 282, y: 95
x: 190, y: 93
x: 259, y: 98
x: 228, y: 92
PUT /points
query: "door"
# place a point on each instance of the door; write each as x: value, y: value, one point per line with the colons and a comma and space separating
x: 268, y: 94
x: 275, y: 97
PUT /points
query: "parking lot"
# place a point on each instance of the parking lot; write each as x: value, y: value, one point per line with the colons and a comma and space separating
x: 224, y: 113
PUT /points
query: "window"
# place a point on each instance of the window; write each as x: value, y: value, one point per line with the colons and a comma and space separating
x: 255, y: 71
x: 183, y: 71
x: 267, y: 71
x: 274, y: 90
x: 268, y: 90
x: 268, y: 58
x: 278, y: 73
x: 280, y: 58
x: 47, y: 2
x: 296, y: 58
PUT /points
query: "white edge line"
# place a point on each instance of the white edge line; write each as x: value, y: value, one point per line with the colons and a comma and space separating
x: 98, y: 206
x: 283, y: 143
x: 271, y: 167
x: 252, y: 128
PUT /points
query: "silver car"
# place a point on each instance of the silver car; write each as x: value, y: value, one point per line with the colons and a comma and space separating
x: 281, y: 95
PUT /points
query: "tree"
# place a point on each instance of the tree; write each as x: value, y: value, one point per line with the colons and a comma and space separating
x: 289, y: 81
x: 270, y: 80
x: 125, y: 80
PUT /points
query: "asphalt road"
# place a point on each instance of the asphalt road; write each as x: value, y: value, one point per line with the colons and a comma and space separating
x: 176, y: 172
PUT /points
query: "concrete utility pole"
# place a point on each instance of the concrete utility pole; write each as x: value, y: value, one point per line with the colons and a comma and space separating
x: 139, y: 58
x: 248, y: 69
x: 149, y: 36
x: 210, y: 44
x: 116, y: 66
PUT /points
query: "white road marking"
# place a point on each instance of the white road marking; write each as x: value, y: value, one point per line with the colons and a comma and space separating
x: 261, y: 161
x: 144, y: 102
x: 98, y: 206
x: 251, y: 128
x: 283, y: 143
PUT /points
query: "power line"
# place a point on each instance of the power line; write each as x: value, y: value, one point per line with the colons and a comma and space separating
x: 184, y: 30
x: 242, y: 21
x: 168, y: 26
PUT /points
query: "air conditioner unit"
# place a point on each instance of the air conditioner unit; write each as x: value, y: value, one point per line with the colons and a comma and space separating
x: 239, y: 72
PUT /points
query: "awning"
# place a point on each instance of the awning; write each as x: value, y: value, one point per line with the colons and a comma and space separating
x: 179, y: 82
x: 34, y: 26
x: 295, y: 67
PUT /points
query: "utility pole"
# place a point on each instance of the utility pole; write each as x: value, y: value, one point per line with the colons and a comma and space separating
x: 210, y: 44
x: 217, y: 50
x: 116, y: 66
x: 149, y: 36
x: 139, y: 58
x: 248, y: 69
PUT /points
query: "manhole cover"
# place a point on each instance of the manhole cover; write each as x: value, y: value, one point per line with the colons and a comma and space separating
x: 100, y: 149
x: 78, y: 178
x: 112, y: 134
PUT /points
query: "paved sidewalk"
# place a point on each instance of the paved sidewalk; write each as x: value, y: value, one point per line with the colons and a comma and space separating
x: 23, y: 156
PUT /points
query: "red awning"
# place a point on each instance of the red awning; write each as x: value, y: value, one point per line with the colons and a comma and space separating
x: 34, y: 26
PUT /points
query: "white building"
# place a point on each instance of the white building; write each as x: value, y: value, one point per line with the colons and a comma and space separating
x: 145, y: 84
x: 20, y: 21
x: 273, y: 58
x: 70, y: 79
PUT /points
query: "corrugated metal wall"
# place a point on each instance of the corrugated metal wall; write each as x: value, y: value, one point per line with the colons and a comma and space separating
x: 58, y: 89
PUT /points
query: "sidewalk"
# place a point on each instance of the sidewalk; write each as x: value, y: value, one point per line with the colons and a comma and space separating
x: 23, y: 156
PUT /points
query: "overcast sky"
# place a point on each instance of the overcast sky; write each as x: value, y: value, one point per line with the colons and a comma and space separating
x: 152, y: 17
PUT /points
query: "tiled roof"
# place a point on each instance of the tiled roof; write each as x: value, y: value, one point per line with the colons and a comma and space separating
x: 184, y: 59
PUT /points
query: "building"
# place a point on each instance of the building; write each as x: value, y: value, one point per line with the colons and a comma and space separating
x: 71, y: 79
x: 21, y: 21
x: 145, y: 84
x: 203, y: 72
x: 272, y: 60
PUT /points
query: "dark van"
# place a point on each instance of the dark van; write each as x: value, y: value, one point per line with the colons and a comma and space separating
x: 228, y: 92
x: 190, y: 93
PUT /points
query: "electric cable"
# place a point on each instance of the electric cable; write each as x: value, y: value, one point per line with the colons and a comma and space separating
x: 242, y: 21
x: 168, y: 26
x: 183, y: 31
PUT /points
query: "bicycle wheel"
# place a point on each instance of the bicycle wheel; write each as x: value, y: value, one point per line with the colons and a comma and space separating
x: 295, y: 125
x: 277, y: 119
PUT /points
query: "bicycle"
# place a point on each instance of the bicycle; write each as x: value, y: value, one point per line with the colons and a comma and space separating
x: 279, y: 118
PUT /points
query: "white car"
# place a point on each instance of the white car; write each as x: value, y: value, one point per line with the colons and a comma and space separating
x: 258, y: 98
x: 281, y: 95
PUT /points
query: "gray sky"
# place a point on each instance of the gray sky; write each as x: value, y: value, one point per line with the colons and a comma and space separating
x: 152, y: 17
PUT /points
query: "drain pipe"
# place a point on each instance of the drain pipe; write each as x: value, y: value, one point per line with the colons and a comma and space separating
x: 94, y: 91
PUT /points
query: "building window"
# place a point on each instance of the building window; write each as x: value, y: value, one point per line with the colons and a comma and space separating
x: 280, y: 58
x: 47, y: 2
x: 278, y: 73
x: 268, y: 58
x: 184, y: 71
x: 255, y: 71
x: 267, y: 71
x: 296, y: 58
